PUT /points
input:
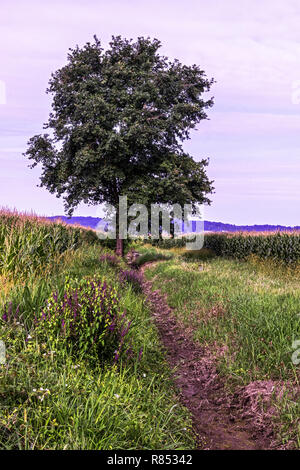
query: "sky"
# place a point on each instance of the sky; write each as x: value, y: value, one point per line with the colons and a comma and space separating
x: 250, y: 47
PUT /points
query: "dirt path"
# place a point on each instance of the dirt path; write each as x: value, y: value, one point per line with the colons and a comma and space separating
x: 216, y: 422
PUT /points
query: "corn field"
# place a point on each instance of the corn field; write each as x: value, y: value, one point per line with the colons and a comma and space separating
x: 280, y: 246
x: 29, y: 243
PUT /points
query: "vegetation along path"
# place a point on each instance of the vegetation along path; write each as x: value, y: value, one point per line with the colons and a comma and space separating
x: 217, y: 424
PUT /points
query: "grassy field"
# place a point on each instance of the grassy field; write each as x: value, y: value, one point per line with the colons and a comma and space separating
x: 247, y: 314
x: 56, y: 397
x: 61, y: 290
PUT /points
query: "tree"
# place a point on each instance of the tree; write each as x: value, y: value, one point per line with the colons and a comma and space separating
x: 117, y: 125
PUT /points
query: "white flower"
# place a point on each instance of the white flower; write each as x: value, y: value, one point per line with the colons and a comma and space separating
x: 144, y: 375
x: 117, y: 396
x: 34, y: 389
x: 29, y: 337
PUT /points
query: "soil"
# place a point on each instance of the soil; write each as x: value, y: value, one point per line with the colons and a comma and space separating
x: 218, y: 423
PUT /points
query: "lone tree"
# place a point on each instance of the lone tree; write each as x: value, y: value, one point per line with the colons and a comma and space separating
x: 118, y: 120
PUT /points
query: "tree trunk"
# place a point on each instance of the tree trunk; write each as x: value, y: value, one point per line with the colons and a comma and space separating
x: 119, y: 246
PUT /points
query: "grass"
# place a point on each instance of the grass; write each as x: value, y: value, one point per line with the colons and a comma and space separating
x: 52, y: 400
x: 247, y: 314
x: 151, y: 254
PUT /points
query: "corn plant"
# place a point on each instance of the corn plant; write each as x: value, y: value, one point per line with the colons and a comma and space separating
x: 29, y: 243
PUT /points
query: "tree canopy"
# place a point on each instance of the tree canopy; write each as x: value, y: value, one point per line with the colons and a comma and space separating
x: 118, y: 121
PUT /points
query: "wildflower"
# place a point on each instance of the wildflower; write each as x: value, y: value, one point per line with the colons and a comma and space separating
x: 132, y: 277
x: 117, y: 396
x: 144, y: 375
x: 88, y: 316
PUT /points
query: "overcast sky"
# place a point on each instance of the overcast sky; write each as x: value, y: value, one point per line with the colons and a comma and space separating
x: 250, y: 47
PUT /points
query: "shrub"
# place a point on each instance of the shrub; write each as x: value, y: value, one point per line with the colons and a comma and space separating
x: 88, y: 320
